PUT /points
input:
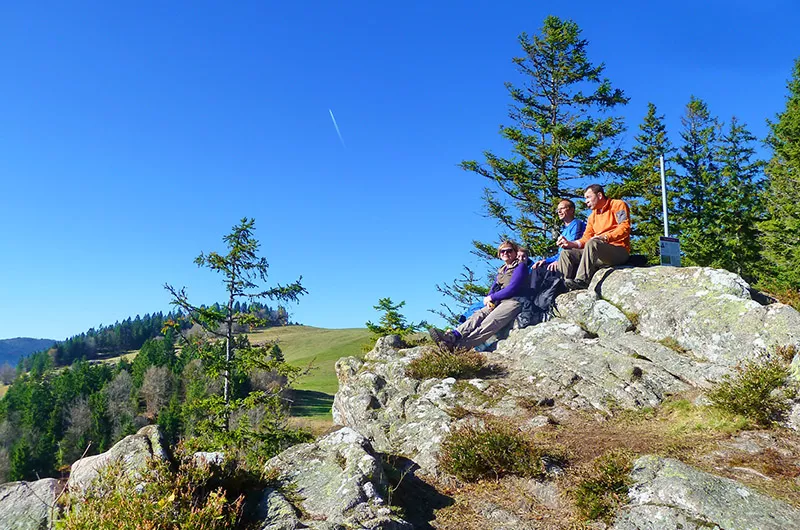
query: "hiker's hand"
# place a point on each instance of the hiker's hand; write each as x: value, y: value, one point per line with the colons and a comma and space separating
x: 487, y: 300
x: 538, y: 264
x: 553, y: 266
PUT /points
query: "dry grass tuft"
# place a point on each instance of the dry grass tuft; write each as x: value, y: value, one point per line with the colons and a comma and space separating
x: 441, y: 363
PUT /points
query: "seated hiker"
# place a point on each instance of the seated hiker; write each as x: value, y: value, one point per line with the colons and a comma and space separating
x: 544, y: 284
x: 572, y: 231
x: 499, y: 309
x: 606, y: 241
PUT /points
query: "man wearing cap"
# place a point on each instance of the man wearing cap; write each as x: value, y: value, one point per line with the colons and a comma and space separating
x: 606, y: 241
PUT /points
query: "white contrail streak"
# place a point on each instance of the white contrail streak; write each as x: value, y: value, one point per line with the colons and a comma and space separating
x: 337, y: 129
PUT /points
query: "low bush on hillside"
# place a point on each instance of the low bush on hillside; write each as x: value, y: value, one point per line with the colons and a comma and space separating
x: 603, y: 485
x: 440, y: 363
x: 759, y: 390
x: 492, y: 449
x: 188, y: 500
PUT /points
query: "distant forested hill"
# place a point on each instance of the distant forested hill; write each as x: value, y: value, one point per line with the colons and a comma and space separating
x: 12, y: 349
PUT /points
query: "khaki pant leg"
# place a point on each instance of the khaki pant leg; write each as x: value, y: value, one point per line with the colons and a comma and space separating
x: 474, y: 321
x: 568, y: 261
x: 596, y: 255
x: 502, y: 315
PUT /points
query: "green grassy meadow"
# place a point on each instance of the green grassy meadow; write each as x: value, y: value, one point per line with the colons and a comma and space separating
x: 304, y: 345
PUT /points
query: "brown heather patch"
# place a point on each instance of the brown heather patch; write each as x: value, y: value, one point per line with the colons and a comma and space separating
x: 439, y: 362
x: 477, y: 506
x: 698, y: 436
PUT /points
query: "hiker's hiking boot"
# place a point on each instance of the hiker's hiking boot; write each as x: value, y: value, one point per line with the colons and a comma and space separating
x: 574, y: 285
x: 441, y: 338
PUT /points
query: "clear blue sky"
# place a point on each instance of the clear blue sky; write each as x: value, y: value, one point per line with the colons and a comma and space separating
x: 134, y: 135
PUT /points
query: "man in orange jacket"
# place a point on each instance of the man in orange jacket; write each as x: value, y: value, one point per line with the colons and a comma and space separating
x: 606, y: 241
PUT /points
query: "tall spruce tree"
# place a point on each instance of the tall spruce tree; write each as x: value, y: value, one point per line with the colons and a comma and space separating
x: 781, y: 233
x: 699, y: 186
x: 231, y: 356
x: 560, y: 136
x: 741, y: 202
x: 641, y: 187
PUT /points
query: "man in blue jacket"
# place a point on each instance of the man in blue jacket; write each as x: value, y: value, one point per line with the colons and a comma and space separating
x: 572, y: 231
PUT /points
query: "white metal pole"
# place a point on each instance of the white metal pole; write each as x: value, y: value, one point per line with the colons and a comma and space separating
x: 664, y: 195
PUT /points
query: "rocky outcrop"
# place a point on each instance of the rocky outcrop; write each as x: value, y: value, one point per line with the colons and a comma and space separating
x: 399, y: 415
x: 667, y: 494
x: 132, y: 451
x: 340, y: 483
x: 556, y: 362
x: 28, y: 505
x: 633, y: 339
x: 708, y: 312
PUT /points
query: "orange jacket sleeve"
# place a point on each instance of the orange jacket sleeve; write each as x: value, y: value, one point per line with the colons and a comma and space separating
x: 622, y: 231
x: 614, y: 223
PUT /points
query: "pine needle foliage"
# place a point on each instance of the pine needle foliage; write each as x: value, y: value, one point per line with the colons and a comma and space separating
x: 641, y: 187
x: 252, y: 421
x: 560, y: 135
x: 393, y: 322
x: 699, y: 186
x: 781, y: 233
x: 465, y: 290
x: 742, y: 201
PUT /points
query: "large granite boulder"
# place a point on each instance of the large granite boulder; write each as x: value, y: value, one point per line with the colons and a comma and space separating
x: 132, y: 451
x: 669, y: 495
x: 592, y: 313
x: 28, y: 505
x: 708, y: 312
x: 340, y: 482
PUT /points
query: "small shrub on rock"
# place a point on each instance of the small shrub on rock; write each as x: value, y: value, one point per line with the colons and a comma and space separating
x: 759, y: 390
x: 603, y: 486
x: 492, y: 449
x: 160, y: 500
x: 441, y: 363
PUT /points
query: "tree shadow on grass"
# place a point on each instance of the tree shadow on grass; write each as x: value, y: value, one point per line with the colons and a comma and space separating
x: 311, y: 403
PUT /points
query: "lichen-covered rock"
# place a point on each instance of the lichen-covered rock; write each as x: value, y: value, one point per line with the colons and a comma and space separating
x: 706, y: 311
x: 667, y: 494
x: 28, y: 505
x: 400, y: 415
x: 597, y: 316
x: 558, y: 360
x: 276, y: 512
x: 132, y: 451
x: 553, y: 363
x: 340, y: 481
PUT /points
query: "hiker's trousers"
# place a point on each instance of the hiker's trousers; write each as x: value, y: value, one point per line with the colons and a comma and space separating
x: 580, y: 264
x: 486, y: 322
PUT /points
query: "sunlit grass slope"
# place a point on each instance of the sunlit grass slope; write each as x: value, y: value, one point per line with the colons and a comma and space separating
x: 302, y: 345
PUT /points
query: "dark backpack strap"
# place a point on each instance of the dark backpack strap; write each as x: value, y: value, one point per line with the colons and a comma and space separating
x: 549, y: 287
